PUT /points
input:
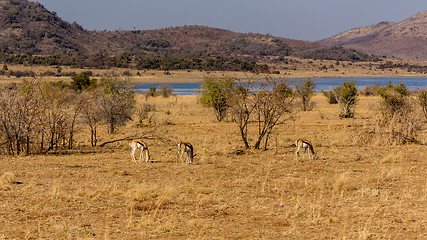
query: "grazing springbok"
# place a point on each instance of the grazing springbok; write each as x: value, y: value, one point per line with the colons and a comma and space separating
x: 135, y: 144
x: 188, y: 148
x: 302, y: 143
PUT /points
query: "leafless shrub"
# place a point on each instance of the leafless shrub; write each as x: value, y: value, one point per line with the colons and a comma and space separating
x: 370, y: 90
x: 37, y: 116
x: 273, y: 101
x: 422, y: 101
x: 268, y: 99
x: 117, y: 103
x: 166, y: 91
x: 55, y: 119
x: 90, y: 113
x: 145, y: 114
x: 399, y: 121
x: 400, y: 127
x: 20, y: 108
x: 242, y: 105
x: 305, y: 91
x: 6, y: 180
x: 152, y: 92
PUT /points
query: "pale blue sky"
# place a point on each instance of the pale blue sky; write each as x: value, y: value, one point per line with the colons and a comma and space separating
x: 309, y: 20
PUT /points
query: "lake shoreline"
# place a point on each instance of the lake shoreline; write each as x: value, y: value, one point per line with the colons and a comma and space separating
x: 199, y: 79
x: 322, y: 84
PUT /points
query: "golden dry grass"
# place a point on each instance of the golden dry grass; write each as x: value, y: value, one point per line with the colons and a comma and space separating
x: 351, y: 191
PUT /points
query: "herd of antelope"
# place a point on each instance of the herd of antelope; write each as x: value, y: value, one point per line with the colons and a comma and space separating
x: 185, y: 147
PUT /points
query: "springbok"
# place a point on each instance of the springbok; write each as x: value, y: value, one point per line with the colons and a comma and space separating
x: 302, y: 143
x: 188, y: 148
x: 135, y: 144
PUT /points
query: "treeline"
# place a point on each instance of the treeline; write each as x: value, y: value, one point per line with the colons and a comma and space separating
x: 38, y: 116
x: 207, y: 62
x: 57, y: 73
x: 409, y: 67
x: 337, y: 53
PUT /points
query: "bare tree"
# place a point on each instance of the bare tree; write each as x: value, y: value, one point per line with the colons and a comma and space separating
x: 305, y: 91
x: 242, y: 104
x: 11, y: 115
x: 273, y: 101
x: 117, y: 103
x: 55, y: 120
x: 90, y: 113
x: 75, y: 112
x: 18, y: 110
x: 422, y: 101
x: 267, y: 98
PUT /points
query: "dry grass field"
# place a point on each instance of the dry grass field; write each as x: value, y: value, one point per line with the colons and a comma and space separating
x: 351, y: 191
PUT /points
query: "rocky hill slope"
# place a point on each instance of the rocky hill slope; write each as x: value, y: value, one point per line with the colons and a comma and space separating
x: 405, y: 40
x: 29, y: 33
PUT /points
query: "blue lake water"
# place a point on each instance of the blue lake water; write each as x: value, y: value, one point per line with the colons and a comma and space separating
x: 321, y: 84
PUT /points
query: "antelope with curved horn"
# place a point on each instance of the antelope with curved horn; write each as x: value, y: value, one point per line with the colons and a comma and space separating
x: 138, y: 144
x: 185, y: 147
x: 302, y: 143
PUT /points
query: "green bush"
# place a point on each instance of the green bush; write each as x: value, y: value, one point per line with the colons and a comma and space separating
x: 81, y: 82
x: 166, y: 91
x: 330, y: 95
x: 152, y: 92
x: 346, y: 96
x: 394, y: 96
x: 215, y: 93
x: 305, y: 90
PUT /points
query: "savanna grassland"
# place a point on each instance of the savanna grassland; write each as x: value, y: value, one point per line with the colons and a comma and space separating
x: 353, y: 190
x: 290, y: 68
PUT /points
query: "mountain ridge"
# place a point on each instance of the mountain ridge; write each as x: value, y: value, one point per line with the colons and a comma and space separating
x: 31, y: 34
x: 406, y: 39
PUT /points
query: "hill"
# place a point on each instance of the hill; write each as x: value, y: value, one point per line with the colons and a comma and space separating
x: 405, y: 40
x: 31, y: 34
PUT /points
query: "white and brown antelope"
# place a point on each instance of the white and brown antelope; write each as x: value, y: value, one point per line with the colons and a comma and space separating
x: 135, y: 144
x: 302, y: 143
x: 185, y: 147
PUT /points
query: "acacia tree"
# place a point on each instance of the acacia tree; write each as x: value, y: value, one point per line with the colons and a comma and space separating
x: 305, y: 91
x: 268, y: 99
x: 346, y: 96
x: 242, y: 104
x: 273, y: 101
x: 215, y: 93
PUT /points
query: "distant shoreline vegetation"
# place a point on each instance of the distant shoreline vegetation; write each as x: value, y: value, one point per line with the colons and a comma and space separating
x: 208, y: 62
x: 367, y: 86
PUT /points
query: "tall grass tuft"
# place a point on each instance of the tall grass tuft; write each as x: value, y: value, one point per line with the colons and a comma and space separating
x: 6, y: 180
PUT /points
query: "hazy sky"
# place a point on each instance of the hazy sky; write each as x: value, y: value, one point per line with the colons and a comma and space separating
x: 298, y: 19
